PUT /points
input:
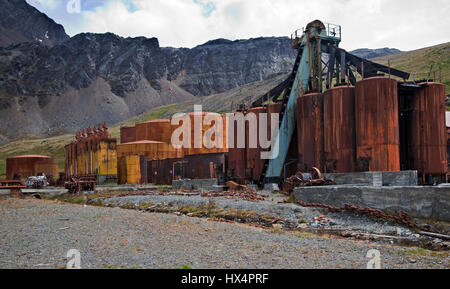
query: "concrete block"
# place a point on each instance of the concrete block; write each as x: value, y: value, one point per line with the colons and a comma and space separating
x: 419, y: 202
x: 271, y: 187
x: 376, y: 179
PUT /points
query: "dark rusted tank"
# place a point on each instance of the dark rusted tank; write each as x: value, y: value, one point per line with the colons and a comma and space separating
x: 128, y: 134
x: 204, y: 166
x: 199, y: 166
x: 428, y: 134
x: 236, y: 158
x: 310, y: 131
x: 254, y: 163
x: 339, y: 129
x: 377, y: 125
x: 30, y: 165
x: 161, y: 172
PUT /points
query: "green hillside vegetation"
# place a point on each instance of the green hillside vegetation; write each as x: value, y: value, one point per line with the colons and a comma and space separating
x: 420, y: 62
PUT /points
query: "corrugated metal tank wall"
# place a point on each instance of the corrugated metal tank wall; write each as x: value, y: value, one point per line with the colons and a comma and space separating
x: 155, y: 130
x: 310, y: 131
x: 428, y: 134
x: 377, y: 125
x: 254, y: 164
x: 127, y: 134
x: 339, y: 129
x: 237, y: 158
x: 30, y: 165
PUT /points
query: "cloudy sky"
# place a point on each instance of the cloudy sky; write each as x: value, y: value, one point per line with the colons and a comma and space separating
x: 402, y: 24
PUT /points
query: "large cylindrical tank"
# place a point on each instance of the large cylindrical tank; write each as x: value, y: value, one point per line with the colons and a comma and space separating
x: 236, y: 156
x: 377, y: 125
x: 199, y: 136
x: 29, y: 165
x: 310, y: 131
x: 428, y: 135
x: 339, y: 129
x: 154, y: 130
x: 254, y: 163
x: 153, y: 150
x: 128, y: 134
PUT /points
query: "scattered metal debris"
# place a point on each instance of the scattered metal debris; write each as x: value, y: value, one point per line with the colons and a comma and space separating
x: 15, y: 186
x: 37, y: 182
x: 306, y: 179
x: 81, y: 184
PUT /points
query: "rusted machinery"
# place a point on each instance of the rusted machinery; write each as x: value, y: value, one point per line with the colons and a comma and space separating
x: 300, y: 179
x: 78, y: 185
x: 15, y: 186
x: 94, y: 154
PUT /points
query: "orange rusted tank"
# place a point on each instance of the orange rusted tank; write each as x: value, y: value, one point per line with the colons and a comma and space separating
x: 197, y: 138
x: 339, y: 129
x: 128, y: 134
x: 154, y: 130
x: 377, y: 125
x: 30, y: 165
x: 310, y: 131
x: 153, y: 150
x: 428, y: 134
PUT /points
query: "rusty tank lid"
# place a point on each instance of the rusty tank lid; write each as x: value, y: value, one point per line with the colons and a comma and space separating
x: 30, y: 157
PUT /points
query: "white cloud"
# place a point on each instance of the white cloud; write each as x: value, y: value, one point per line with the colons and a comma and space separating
x: 403, y: 24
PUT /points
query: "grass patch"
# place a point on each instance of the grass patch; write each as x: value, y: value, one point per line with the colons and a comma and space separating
x: 306, y: 236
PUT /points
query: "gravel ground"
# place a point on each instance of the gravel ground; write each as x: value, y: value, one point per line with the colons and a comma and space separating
x: 38, y: 234
x: 291, y: 212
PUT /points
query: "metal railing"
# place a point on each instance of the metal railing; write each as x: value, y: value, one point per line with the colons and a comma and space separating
x: 331, y: 30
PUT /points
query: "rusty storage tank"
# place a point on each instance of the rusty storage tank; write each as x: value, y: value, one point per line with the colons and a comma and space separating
x: 254, y: 163
x: 198, y: 138
x: 310, y: 131
x: 339, y: 129
x: 30, y: 165
x: 151, y: 149
x: 128, y: 134
x: 155, y: 130
x: 428, y: 134
x: 237, y: 156
x: 377, y: 125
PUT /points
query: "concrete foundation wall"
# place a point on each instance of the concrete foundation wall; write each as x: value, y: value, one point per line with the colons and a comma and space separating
x: 376, y: 179
x: 419, y: 202
x: 201, y: 184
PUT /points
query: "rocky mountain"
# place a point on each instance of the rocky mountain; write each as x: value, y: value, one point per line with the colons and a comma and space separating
x: 20, y: 22
x: 54, y: 87
x: 374, y: 53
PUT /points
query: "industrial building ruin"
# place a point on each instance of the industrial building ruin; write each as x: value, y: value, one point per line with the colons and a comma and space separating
x: 339, y: 114
x: 93, y: 154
